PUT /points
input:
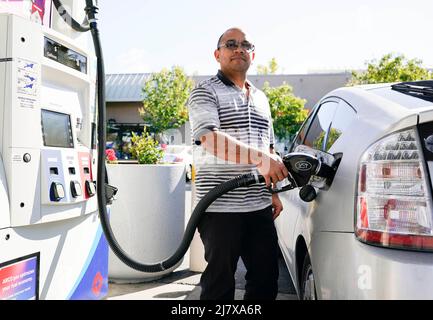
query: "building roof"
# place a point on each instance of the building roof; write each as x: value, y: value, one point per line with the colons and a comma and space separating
x: 125, y: 87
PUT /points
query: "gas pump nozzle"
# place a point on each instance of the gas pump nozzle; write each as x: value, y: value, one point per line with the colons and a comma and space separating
x: 308, y: 168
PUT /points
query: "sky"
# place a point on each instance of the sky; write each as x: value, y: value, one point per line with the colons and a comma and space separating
x: 303, y: 36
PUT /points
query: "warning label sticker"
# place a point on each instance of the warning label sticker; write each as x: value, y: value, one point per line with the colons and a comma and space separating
x: 27, y: 83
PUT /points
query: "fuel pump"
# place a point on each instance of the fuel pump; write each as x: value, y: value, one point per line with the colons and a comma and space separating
x: 51, y: 240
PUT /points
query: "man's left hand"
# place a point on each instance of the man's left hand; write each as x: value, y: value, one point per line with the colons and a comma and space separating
x: 277, y: 205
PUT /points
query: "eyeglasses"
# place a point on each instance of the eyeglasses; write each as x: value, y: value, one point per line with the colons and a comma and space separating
x: 233, y: 45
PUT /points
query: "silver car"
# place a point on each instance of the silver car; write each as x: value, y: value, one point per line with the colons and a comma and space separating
x: 370, y: 234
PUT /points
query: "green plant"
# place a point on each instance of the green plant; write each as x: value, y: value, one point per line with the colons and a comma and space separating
x: 391, y: 68
x: 287, y: 110
x: 271, y: 68
x: 165, y: 96
x: 334, y: 134
x: 145, y: 149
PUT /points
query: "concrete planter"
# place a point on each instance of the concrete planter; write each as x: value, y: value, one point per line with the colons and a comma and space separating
x: 147, y: 217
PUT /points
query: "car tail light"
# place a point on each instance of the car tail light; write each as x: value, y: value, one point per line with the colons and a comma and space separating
x: 394, y: 206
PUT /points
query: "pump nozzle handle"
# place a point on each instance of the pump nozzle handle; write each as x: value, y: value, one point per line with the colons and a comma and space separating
x: 301, y: 167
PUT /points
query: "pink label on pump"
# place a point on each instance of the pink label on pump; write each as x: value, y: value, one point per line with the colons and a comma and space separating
x: 85, y: 164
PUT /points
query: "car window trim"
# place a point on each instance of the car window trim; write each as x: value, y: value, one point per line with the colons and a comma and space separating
x: 326, y: 100
x: 315, y: 109
x: 325, y: 138
x: 330, y: 124
x: 339, y: 98
x: 312, y: 115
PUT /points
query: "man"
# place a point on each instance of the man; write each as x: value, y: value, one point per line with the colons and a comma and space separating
x: 232, y: 130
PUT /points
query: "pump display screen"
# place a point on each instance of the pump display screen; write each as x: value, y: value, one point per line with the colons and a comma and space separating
x: 68, y: 57
x: 56, y: 129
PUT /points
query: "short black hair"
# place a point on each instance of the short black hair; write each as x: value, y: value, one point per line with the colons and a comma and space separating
x: 219, y: 40
x: 221, y: 37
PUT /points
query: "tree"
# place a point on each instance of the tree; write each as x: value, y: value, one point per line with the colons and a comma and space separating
x: 334, y: 134
x: 271, y: 68
x: 391, y: 68
x: 287, y: 110
x: 165, y: 96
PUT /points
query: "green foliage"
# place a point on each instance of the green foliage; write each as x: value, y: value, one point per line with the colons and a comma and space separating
x: 145, y: 149
x: 165, y: 96
x: 271, y: 68
x: 334, y: 134
x: 287, y: 110
x: 391, y: 68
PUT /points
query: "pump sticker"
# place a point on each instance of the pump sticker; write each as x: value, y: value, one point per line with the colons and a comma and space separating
x: 19, y: 278
x: 38, y: 11
x: 34, y: 10
x: 27, y: 83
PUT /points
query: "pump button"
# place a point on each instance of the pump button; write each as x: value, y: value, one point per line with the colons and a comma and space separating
x: 27, y: 157
x: 90, y: 188
x: 76, y: 189
x: 57, y: 192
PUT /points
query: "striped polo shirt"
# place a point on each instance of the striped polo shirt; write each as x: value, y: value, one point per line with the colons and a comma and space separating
x: 217, y: 104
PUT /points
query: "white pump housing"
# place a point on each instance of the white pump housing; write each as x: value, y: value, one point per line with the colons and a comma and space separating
x: 49, y: 223
x: 48, y: 111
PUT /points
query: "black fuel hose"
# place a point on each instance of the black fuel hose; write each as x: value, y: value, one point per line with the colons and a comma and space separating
x: 83, y: 27
x: 204, y: 203
x: 240, y: 181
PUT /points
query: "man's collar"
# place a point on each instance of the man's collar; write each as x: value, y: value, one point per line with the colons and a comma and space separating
x: 224, y: 79
x: 228, y: 82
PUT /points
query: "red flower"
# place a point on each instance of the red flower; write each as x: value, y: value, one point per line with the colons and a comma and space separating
x: 110, y: 154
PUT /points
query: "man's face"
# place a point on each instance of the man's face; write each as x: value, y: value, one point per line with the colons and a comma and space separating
x: 234, y: 58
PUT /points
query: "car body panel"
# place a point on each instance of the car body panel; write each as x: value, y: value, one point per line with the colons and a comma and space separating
x: 346, y: 268
x: 286, y: 225
x: 326, y: 224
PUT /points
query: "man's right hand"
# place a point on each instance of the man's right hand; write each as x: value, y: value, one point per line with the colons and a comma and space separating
x: 272, y: 168
x: 225, y: 147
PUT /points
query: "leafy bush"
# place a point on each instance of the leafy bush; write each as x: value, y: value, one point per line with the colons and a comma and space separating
x: 287, y: 110
x: 145, y: 149
x: 391, y: 68
x: 165, y: 96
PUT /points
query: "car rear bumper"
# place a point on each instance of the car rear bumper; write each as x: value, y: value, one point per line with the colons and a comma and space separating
x: 345, y: 268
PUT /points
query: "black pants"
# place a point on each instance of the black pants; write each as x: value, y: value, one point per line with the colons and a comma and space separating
x: 228, y: 236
